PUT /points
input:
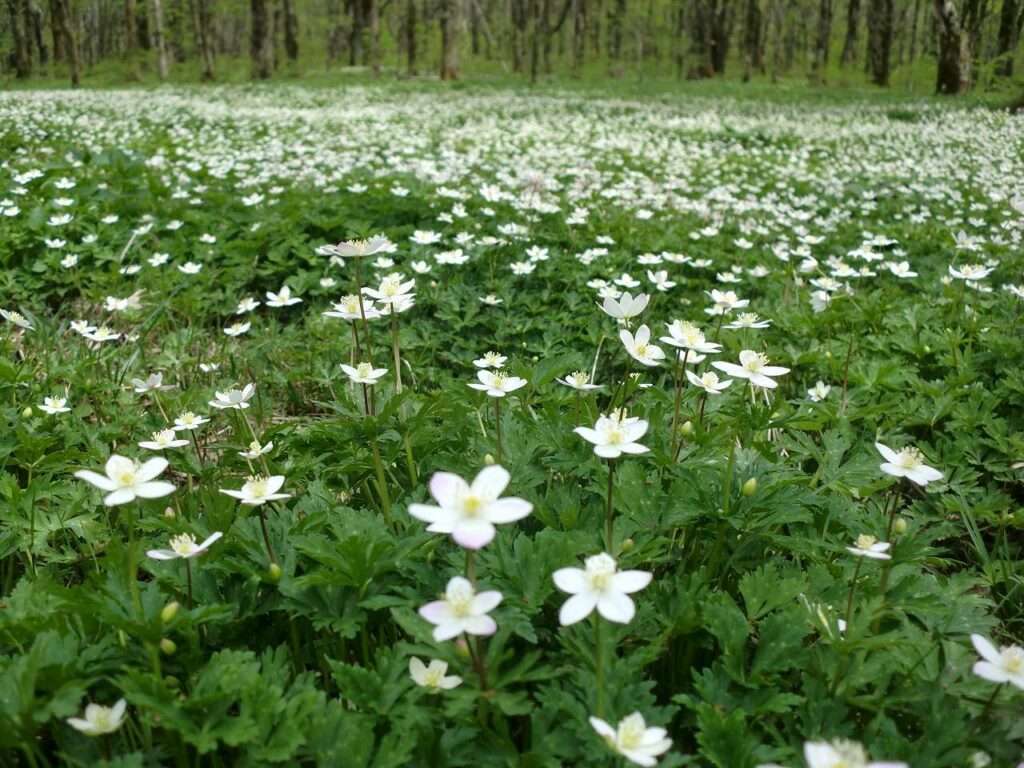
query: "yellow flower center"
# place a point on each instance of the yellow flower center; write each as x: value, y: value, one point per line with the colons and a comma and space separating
x: 866, y: 541
x: 184, y: 545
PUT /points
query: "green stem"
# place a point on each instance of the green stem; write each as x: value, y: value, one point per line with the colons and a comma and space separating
x: 497, y: 425
x: 599, y: 664
x: 188, y: 579
x: 609, y: 510
x: 382, y: 483
x: 853, y: 591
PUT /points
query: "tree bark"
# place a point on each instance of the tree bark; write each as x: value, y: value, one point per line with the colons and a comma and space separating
x: 450, y: 21
x: 880, y: 27
x: 20, y: 37
x: 261, y: 43
x: 410, y: 36
x: 753, y: 55
x: 291, y: 30
x: 1011, y: 18
x: 579, y: 35
x: 159, y: 42
x: 66, y: 23
x: 849, y: 53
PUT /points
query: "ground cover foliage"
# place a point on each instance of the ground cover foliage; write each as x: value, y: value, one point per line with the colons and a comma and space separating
x: 154, y: 245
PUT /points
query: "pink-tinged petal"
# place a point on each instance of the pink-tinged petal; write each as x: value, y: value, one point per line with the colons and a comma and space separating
x: 120, y: 496
x: 447, y: 487
x: 96, y: 479
x: 576, y: 608
x: 458, y: 585
x: 603, y: 729
x: 428, y: 513
x: 630, y: 581
x: 570, y: 580
x: 483, y: 626
x: 150, y: 469
x: 162, y: 554
x: 990, y: 672
x: 490, y: 482
x: 486, y: 602
x: 588, y: 434
x: 473, y: 533
x: 154, y: 490
x: 118, y: 465
x: 447, y: 631
x: 616, y: 607
x: 985, y: 649
x: 508, y: 510
x: 608, y: 451
x: 437, y: 612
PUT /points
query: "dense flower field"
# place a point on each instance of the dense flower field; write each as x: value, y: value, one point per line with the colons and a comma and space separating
x: 367, y: 428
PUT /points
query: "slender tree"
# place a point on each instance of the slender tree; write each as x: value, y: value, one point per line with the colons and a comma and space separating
x: 261, y: 41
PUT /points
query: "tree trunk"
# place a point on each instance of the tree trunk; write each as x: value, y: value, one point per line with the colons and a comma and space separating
x: 1011, y: 18
x: 880, y: 25
x: 410, y: 36
x: 202, y: 28
x: 291, y: 30
x: 450, y: 20
x: 950, y: 78
x: 753, y: 56
x: 261, y: 43
x: 616, y: 21
x: 19, y: 24
x: 579, y: 35
x: 66, y: 22
x: 55, y: 27
x: 849, y: 53
x: 373, y: 22
x: 159, y: 43
x: 131, y: 29
x: 822, y: 40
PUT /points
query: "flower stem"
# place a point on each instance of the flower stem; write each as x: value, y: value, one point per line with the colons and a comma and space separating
x: 599, y: 664
x: 680, y: 372
x: 188, y: 579
x: 396, y: 352
x: 609, y: 512
x: 497, y: 425
x: 266, y: 537
x: 362, y: 309
x: 382, y: 483
x: 853, y: 590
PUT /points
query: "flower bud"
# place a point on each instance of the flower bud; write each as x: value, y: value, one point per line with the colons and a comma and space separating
x: 167, y: 646
x: 172, y: 682
x: 627, y: 545
x: 687, y: 428
x: 27, y: 413
x: 750, y: 487
x: 169, y: 612
x: 488, y: 459
x: 274, y: 573
x: 899, y: 525
x: 169, y: 512
x: 462, y: 648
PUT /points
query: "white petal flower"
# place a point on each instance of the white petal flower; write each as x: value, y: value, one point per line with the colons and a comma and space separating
x: 868, y: 546
x: 126, y: 480
x: 258, y: 490
x: 462, y: 611
x: 184, y: 546
x: 433, y: 677
x: 1002, y: 665
x: 639, y: 347
x: 908, y: 463
x: 754, y: 368
x: 599, y: 585
x: 99, y: 720
x: 615, y: 434
x: 497, y: 384
x: 633, y: 739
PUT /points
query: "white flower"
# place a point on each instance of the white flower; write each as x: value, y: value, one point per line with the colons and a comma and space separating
x: 615, y: 434
x: 462, y: 611
x: 184, y: 546
x: 470, y: 512
x: 491, y: 360
x: 357, y: 248
x: 163, y: 439
x: 246, y: 305
x: 189, y: 421
x: 601, y: 585
x: 490, y: 300
x: 256, y: 450
x: 1003, y: 665
x: 900, y: 269
x: 841, y: 754
x: 364, y: 373
x: 684, y: 335
x: 127, y: 480
x: 754, y: 368
x: 819, y: 392
x: 626, y: 306
x: 99, y: 720
x: 259, y: 490
x: 908, y: 463
x: 497, y: 384
x: 633, y: 739
x: 708, y: 381
x: 748, y: 320
x: 725, y: 302
x: 234, y: 398
x: 282, y: 298
x: 639, y: 346
x: 349, y: 309
x: 153, y: 383
x: 868, y: 546
x: 579, y: 380
x: 102, y: 334
x: 433, y: 677
x: 54, y: 405
x: 16, y: 318
x: 190, y: 268
x: 237, y: 329
x: 970, y: 272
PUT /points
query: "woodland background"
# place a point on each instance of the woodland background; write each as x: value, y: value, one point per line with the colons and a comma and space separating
x: 949, y: 46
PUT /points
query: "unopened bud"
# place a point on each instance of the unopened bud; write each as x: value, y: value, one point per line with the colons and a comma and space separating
x: 627, y: 545
x: 27, y: 413
x: 167, y: 646
x: 488, y: 459
x: 169, y: 512
x: 169, y: 612
x: 750, y: 487
x: 899, y: 525
x: 687, y: 428
x: 172, y: 682
x: 274, y: 573
x: 462, y: 648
